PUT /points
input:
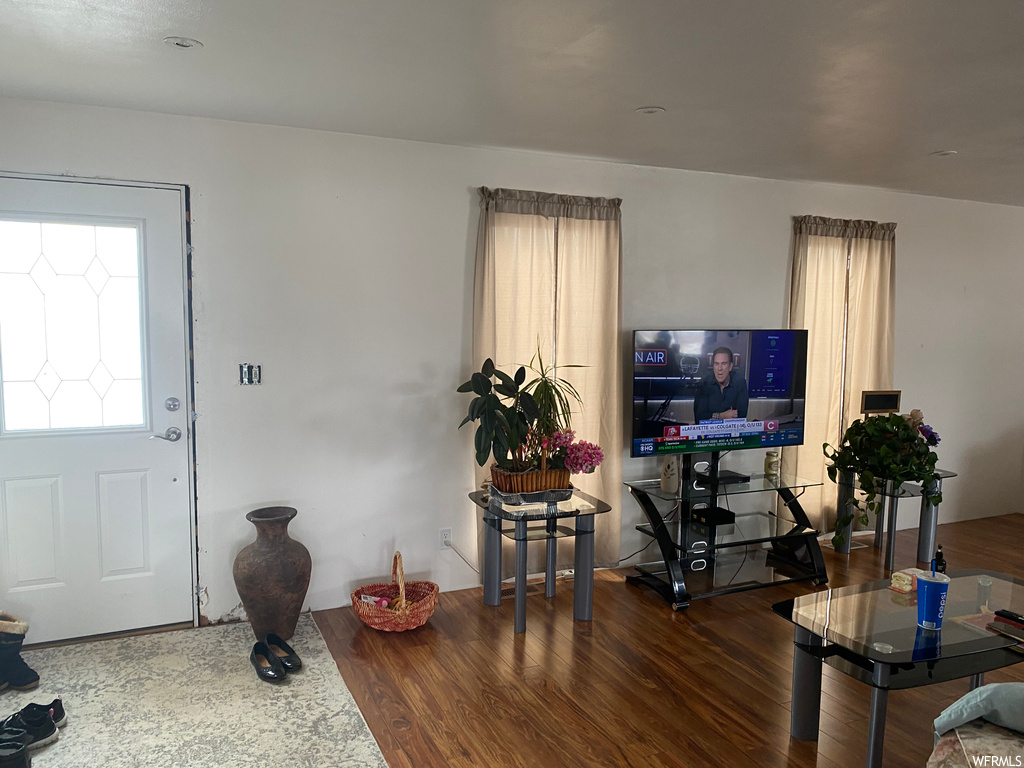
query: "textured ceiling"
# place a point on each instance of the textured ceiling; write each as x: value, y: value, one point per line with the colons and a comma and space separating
x: 851, y: 92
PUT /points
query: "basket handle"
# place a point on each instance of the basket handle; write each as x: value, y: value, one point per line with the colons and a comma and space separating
x: 398, y: 574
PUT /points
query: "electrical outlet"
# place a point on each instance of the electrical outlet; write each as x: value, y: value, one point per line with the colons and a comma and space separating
x: 250, y: 374
x: 444, y: 538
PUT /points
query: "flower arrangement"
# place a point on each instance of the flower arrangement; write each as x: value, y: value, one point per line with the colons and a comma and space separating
x: 562, y: 453
x: 525, y: 426
x: 896, y: 448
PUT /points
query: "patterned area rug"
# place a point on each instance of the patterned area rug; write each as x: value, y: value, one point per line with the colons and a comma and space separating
x: 191, y: 699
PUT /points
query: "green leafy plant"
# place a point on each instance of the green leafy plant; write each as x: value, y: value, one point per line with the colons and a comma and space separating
x: 506, y: 412
x: 524, y: 424
x: 896, y: 448
x: 554, y: 397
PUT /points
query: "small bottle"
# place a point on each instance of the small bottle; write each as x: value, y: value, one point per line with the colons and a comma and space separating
x: 771, y: 464
x: 940, y: 561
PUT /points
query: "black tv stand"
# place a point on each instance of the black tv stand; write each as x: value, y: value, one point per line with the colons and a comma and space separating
x: 725, y: 477
x: 707, y: 550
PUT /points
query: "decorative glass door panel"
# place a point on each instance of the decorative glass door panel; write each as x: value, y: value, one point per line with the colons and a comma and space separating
x: 70, y: 326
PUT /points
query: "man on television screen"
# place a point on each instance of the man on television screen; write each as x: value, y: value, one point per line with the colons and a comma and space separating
x: 723, y: 394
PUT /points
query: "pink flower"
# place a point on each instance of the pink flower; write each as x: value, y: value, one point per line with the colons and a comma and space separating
x: 562, y: 439
x: 583, y: 457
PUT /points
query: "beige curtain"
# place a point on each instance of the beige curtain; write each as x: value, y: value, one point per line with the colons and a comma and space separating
x: 844, y: 293
x: 548, y: 278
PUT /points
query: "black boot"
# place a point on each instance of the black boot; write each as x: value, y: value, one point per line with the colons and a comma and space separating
x: 14, y: 672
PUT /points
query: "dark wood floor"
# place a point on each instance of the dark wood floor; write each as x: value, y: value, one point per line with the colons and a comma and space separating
x: 640, y: 685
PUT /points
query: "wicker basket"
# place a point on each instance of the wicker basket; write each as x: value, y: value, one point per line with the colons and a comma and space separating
x: 529, y: 482
x: 416, y: 601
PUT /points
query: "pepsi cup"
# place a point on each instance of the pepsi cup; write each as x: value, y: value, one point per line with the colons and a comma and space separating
x: 931, y: 599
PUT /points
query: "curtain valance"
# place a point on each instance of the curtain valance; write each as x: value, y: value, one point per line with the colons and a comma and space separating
x: 550, y: 205
x: 821, y: 226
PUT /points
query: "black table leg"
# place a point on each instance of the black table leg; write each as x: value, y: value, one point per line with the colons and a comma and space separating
x: 520, y: 622
x: 806, y: 704
x: 876, y: 724
x: 583, y: 578
x: 552, y: 557
x: 929, y: 519
x: 876, y: 727
x: 492, y: 559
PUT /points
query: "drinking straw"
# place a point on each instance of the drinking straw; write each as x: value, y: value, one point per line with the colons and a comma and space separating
x: 933, y: 566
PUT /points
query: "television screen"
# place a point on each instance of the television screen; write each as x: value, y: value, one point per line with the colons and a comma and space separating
x: 717, y: 390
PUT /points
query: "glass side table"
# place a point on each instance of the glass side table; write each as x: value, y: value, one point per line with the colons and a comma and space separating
x: 885, y: 522
x: 579, y: 509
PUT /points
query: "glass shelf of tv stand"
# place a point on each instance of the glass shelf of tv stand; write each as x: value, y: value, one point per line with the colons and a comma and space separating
x: 756, y: 528
x: 701, y: 488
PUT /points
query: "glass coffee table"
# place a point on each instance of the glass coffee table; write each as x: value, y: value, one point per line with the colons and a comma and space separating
x: 870, y: 632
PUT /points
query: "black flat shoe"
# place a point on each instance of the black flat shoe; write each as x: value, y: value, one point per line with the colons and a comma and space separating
x: 266, y: 664
x: 284, y: 653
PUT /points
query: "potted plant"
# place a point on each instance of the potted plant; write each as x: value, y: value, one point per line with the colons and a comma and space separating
x: 525, y: 426
x: 878, y: 449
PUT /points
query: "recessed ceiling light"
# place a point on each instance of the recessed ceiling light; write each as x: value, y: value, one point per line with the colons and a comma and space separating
x: 943, y: 153
x: 183, y: 43
x: 650, y: 110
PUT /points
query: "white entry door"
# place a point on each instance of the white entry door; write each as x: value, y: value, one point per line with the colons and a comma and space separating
x: 96, y: 530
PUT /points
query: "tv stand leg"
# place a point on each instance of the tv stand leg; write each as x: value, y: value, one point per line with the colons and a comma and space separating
x: 811, y: 555
x: 674, y: 591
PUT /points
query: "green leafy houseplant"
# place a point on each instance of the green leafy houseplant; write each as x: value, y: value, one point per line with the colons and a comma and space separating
x: 554, y: 397
x: 506, y: 412
x: 525, y: 426
x: 881, y: 448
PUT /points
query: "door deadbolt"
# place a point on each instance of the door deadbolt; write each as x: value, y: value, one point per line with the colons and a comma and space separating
x: 172, y: 403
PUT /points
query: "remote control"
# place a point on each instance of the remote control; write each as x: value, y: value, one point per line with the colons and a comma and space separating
x: 1011, y: 615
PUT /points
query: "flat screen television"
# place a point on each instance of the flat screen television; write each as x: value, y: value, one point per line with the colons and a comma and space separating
x: 699, y: 391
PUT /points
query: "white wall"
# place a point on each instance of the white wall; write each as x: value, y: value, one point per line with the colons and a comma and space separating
x: 343, y: 265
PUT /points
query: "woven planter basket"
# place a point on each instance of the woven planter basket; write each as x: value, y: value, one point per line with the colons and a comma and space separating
x: 416, y: 601
x: 529, y: 482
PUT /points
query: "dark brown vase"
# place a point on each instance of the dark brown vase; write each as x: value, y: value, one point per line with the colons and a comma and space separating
x: 272, y: 574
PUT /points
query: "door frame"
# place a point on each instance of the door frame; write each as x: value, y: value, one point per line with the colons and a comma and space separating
x: 187, y: 327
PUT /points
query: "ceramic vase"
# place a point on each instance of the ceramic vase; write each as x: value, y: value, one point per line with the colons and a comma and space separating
x: 272, y: 574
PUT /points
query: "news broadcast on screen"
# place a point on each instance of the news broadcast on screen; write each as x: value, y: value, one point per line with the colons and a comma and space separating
x: 700, y: 390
